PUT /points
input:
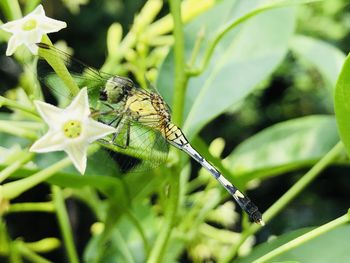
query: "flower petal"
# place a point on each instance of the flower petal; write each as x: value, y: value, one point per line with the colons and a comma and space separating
x: 49, y: 25
x: 50, y: 142
x: 33, y: 48
x: 52, y: 115
x: 77, y: 153
x: 38, y: 11
x: 96, y: 130
x: 32, y: 37
x: 30, y: 29
x: 12, y: 26
x: 13, y: 44
x: 79, y: 107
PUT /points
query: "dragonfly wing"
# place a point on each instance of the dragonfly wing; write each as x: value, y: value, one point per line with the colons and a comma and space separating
x: 142, y: 143
x: 146, y: 146
x: 83, y: 75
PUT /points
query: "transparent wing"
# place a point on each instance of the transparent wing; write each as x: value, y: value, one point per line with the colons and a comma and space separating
x: 144, y: 147
x: 83, y: 75
x: 136, y: 147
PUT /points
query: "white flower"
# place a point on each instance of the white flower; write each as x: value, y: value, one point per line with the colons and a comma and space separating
x: 70, y: 129
x: 30, y: 29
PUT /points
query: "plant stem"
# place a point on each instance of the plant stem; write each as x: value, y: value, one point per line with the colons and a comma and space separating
x: 10, y: 169
x: 209, y: 52
x: 191, y: 9
x: 64, y: 224
x: 6, y: 127
x: 29, y: 254
x: 11, y: 9
x: 304, y: 181
x: 180, y: 79
x: 13, y: 189
x: 44, y: 245
x: 304, y: 238
x: 139, y: 227
x: 31, y: 207
x: 288, y: 196
x: 15, y: 105
x: 59, y: 67
x: 160, y: 245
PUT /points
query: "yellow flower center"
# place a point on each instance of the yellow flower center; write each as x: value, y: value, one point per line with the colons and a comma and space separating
x: 72, y: 129
x: 29, y: 25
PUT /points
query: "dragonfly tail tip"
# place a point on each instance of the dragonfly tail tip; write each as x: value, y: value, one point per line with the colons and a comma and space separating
x: 261, y: 222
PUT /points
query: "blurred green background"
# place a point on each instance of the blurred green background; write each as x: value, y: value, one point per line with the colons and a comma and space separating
x: 296, y: 89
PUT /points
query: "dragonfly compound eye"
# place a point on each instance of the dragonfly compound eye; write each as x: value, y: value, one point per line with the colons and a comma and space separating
x: 123, y: 83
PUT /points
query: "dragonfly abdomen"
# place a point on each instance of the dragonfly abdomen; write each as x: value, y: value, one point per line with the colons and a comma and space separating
x: 176, y: 137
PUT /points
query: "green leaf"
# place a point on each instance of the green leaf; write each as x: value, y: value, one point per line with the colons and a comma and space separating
x: 264, y: 248
x: 342, y: 104
x: 332, y: 246
x: 329, y: 63
x: 244, y: 57
x: 283, y: 147
x: 110, y: 186
x: 125, y: 243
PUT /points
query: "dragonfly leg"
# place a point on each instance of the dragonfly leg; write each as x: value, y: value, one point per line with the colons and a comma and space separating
x: 128, y: 135
x: 108, y: 105
x: 126, y: 138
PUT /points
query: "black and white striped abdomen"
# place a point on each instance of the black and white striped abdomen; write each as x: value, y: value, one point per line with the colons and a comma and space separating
x: 175, y: 136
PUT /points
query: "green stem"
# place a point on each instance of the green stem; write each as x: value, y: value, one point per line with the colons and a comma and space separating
x: 196, y: 48
x: 123, y: 247
x: 179, y: 54
x: 44, y: 245
x: 31, y: 207
x: 30, y: 6
x: 6, y: 127
x: 15, y: 105
x: 139, y: 227
x: 11, y: 9
x: 160, y: 245
x: 304, y: 181
x: 159, y: 248
x: 191, y: 9
x: 288, y: 196
x: 304, y: 238
x: 209, y: 52
x: 13, y: 189
x: 64, y: 224
x: 5, y: 173
x: 59, y: 67
x: 29, y: 254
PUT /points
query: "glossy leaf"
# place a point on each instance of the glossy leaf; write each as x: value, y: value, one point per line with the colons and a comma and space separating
x: 125, y: 243
x: 342, y: 104
x: 283, y: 147
x: 243, y: 58
x: 329, y: 63
x: 332, y: 246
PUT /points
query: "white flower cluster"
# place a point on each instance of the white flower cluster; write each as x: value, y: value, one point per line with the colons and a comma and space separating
x: 70, y: 129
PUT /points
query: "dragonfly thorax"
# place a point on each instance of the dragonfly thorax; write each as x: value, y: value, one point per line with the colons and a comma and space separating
x: 116, y: 89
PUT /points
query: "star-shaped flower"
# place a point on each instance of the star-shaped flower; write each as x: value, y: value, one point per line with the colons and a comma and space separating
x: 70, y: 129
x: 30, y: 29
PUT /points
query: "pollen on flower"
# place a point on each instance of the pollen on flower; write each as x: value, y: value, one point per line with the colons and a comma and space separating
x: 72, y: 129
x: 29, y: 25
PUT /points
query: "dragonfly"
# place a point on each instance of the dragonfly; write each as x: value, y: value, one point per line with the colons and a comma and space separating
x: 125, y: 104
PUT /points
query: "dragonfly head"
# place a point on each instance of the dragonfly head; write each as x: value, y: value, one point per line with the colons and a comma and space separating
x: 116, y: 89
